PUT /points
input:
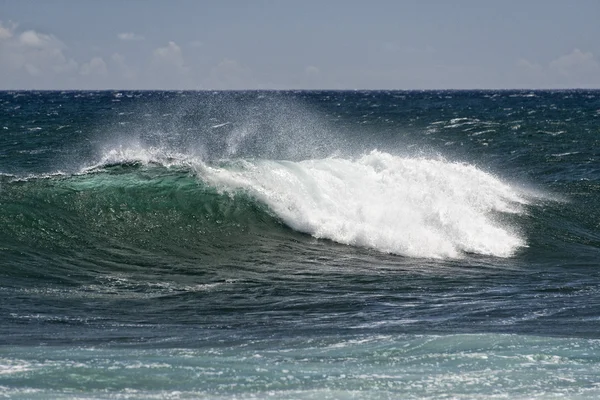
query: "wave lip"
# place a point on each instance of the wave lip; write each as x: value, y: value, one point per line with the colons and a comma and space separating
x: 408, y: 206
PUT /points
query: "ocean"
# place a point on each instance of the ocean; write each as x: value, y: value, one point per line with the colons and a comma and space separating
x: 300, y: 244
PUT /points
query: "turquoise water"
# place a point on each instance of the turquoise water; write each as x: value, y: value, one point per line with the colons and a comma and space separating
x: 299, y: 244
x: 378, y: 366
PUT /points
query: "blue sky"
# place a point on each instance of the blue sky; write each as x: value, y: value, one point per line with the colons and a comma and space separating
x: 270, y: 44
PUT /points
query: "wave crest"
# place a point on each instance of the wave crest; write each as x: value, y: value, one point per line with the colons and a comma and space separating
x: 409, y: 206
x: 414, y: 207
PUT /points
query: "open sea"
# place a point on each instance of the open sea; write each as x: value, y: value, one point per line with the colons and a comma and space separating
x: 300, y: 245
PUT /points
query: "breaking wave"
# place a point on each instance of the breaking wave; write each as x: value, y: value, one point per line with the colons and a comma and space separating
x: 416, y: 207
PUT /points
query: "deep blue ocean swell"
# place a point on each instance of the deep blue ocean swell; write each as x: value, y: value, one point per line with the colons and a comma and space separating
x: 359, y: 241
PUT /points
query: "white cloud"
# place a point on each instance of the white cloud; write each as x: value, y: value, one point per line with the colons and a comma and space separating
x: 6, y: 32
x: 169, y: 55
x: 168, y: 68
x: 130, y: 36
x: 577, y: 62
x: 576, y: 69
x: 96, y: 66
x: 311, y: 70
x: 34, y: 39
x: 33, y: 53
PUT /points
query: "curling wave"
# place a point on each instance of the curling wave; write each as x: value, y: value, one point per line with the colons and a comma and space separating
x: 414, y: 207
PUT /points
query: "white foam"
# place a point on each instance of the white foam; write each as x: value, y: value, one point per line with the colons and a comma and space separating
x: 409, y: 206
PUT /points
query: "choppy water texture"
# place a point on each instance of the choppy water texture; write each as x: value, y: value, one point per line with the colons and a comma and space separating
x: 300, y: 244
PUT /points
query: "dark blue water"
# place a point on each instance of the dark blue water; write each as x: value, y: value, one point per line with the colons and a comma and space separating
x: 300, y: 244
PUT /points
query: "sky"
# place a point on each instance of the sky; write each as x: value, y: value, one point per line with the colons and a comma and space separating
x: 307, y: 44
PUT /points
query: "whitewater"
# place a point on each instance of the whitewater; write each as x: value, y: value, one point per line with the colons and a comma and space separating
x: 415, y: 207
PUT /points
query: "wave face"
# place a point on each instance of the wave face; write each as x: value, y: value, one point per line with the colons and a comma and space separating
x: 126, y: 205
x: 414, y: 207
